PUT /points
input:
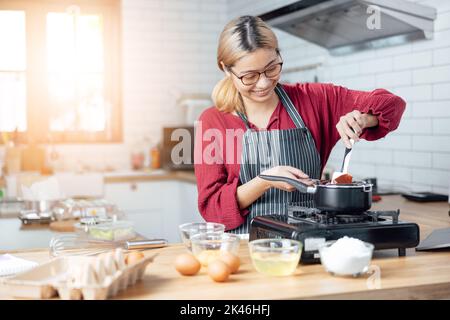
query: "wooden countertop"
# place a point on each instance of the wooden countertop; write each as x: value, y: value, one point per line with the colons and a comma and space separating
x: 142, y: 176
x: 419, y: 275
x: 159, y: 175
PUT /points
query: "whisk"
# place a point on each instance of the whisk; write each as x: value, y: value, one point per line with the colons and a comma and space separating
x: 73, y: 244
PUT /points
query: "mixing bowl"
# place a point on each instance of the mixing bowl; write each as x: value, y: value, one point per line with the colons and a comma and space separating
x: 187, y: 230
x: 210, y: 245
x: 346, y: 260
x: 275, y: 257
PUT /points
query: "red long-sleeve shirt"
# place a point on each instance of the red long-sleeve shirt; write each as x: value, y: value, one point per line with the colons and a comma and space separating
x: 320, y: 106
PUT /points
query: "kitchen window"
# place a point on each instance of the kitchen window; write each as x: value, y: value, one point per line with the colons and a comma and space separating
x: 60, y: 70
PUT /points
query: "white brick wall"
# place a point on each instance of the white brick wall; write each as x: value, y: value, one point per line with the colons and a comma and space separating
x: 412, y: 159
x: 441, y: 160
x: 379, y: 65
x: 441, y: 56
x: 413, y: 60
x: 432, y: 109
x: 415, y: 126
x: 166, y: 53
x: 397, y: 78
x: 439, y: 178
x: 432, y: 143
x: 441, y: 91
x: 432, y: 75
x: 417, y: 155
x: 413, y: 93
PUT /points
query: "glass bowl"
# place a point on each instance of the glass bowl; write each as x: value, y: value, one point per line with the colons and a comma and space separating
x: 208, y: 246
x: 187, y: 230
x: 275, y: 257
x: 105, y: 229
x: 347, y: 262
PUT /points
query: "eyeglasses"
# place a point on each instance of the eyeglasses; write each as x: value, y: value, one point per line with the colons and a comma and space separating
x: 251, y: 78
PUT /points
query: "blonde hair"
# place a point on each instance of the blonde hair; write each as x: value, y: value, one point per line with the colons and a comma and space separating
x: 240, y: 36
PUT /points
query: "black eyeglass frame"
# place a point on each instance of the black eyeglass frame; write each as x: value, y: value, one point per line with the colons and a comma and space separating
x: 259, y: 73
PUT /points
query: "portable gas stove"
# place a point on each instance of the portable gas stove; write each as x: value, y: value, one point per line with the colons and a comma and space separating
x: 313, y: 227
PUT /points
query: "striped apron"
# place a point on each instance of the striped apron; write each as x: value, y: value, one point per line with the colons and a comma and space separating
x: 262, y: 150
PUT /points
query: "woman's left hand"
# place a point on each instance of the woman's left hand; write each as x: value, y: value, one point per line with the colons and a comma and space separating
x: 351, y: 125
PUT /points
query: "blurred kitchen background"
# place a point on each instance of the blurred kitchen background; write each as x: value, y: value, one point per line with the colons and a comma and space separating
x: 90, y: 91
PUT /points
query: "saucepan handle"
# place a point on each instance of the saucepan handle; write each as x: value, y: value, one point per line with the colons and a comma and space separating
x: 304, y: 188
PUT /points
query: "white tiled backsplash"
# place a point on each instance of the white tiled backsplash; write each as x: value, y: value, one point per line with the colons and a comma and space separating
x: 169, y: 48
x: 417, y: 155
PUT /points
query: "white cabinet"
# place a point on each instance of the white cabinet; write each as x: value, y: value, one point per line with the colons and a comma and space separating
x: 172, y: 211
x: 148, y: 223
x: 181, y: 199
x: 136, y: 196
x: 188, y: 199
x: 156, y: 207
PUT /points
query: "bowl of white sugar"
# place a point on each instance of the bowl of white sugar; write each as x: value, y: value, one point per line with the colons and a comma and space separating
x: 346, y: 256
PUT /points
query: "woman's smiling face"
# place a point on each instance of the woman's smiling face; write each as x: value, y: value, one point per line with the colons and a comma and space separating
x: 258, y: 61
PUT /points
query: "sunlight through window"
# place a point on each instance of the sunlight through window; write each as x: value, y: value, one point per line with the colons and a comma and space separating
x: 75, y: 64
x: 13, y: 113
x: 60, y: 71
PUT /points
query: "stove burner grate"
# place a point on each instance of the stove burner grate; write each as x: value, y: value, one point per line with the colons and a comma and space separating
x: 313, y: 215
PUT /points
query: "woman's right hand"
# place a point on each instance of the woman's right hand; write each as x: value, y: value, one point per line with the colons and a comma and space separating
x: 285, y: 171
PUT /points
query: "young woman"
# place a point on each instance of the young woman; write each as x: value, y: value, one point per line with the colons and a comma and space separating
x: 287, y: 129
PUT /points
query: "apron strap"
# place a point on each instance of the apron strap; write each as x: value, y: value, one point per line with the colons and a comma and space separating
x: 245, y: 119
x: 287, y: 103
x: 290, y: 108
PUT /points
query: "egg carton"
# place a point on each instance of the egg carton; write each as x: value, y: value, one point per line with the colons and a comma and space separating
x: 48, y: 280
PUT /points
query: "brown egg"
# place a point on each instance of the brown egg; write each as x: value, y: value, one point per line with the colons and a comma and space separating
x: 187, y: 264
x: 133, y: 257
x: 231, y: 260
x: 207, y: 256
x: 219, y: 271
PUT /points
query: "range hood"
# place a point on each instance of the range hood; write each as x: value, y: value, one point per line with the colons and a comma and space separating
x: 341, y: 26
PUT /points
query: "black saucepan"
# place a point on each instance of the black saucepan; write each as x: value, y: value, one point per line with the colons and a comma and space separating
x: 352, y: 198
